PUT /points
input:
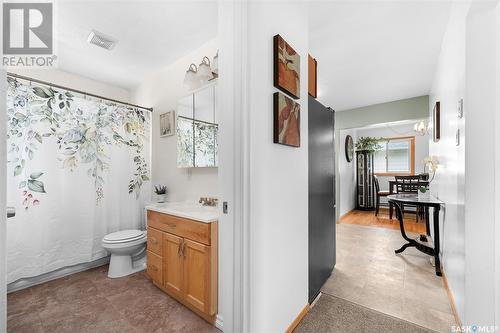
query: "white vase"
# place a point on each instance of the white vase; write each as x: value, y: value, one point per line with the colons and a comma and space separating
x: 160, y: 198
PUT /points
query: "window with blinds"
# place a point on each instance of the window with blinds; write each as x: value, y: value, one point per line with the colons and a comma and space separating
x: 396, y: 157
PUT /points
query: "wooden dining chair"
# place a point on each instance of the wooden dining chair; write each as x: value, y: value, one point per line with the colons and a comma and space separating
x: 378, y: 194
x: 409, y: 185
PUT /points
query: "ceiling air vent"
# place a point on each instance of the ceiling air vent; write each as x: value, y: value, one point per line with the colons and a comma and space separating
x: 101, y: 40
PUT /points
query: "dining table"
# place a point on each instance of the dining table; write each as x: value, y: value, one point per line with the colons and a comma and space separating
x: 424, y: 243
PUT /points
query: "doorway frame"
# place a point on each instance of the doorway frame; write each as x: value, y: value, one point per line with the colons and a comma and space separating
x: 233, y: 171
x: 234, y: 165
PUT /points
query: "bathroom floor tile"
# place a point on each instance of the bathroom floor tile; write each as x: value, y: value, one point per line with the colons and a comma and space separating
x: 90, y: 302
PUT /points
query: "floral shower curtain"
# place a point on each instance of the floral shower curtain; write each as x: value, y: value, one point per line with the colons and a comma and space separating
x: 78, y: 168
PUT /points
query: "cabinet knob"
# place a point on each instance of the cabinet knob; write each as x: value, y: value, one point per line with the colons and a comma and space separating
x: 153, y: 241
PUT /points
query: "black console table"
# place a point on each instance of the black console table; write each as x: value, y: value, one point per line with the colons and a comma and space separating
x: 421, y: 242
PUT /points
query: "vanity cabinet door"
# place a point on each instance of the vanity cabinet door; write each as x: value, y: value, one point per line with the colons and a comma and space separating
x: 197, y: 276
x: 155, y: 239
x: 172, y: 264
x: 154, y: 268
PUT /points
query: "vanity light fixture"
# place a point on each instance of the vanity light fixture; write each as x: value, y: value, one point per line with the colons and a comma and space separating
x: 197, y: 76
x: 215, y: 64
x: 204, y: 70
x: 191, y: 77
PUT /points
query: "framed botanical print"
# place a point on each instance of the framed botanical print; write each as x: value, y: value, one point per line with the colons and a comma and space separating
x: 167, y: 124
x: 436, y: 122
x: 286, y: 67
x: 286, y: 120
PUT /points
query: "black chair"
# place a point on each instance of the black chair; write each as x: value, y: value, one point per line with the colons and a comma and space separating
x: 409, y: 184
x: 379, y: 194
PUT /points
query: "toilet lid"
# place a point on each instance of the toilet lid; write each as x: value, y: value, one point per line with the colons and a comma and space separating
x: 124, y: 236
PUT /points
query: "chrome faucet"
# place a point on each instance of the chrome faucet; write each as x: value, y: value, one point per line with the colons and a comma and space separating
x: 208, y: 201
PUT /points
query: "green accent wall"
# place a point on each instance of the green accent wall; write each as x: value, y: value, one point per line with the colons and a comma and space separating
x: 404, y: 109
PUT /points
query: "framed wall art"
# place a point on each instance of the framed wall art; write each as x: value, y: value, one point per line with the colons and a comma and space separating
x: 167, y: 124
x: 436, y: 122
x: 286, y: 67
x: 286, y: 120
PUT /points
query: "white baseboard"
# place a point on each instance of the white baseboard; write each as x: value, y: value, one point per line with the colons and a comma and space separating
x: 219, y: 322
x: 59, y: 273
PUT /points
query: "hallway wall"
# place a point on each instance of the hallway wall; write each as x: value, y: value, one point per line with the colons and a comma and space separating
x: 278, y: 175
x: 347, y: 175
x: 480, y: 99
x: 465, y: 176
x: 448, y: 88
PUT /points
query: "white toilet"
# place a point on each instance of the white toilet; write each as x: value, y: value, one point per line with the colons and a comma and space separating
x: 123, y: 246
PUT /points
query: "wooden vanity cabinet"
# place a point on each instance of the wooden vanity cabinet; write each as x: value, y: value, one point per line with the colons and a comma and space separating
x: 184, y: 265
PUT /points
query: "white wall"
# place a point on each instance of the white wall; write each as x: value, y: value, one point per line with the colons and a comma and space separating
x: 347, y: 175
x: 278, y: 175
x: 466, y: 177
x: 497, y: 177
x: 449, y: 87
x: 162, y: 91
x: 76, y: 82
x: 480, y: 100
x: 388, y: 131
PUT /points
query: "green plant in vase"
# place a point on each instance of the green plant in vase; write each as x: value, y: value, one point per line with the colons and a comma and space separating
x: 369, y: 143
x: 161, y: 193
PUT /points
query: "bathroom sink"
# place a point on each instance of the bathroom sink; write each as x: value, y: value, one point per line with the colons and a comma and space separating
x: 189, y: 210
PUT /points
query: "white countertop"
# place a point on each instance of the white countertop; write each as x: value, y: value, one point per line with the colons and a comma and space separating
x: 189, y: 210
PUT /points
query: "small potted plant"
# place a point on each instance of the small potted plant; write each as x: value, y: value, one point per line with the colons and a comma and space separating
x: 423, y: 192
x: 430, y: 162
x: 161, y: 193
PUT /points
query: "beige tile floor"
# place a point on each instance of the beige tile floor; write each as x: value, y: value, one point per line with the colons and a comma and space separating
x: 368, y: 272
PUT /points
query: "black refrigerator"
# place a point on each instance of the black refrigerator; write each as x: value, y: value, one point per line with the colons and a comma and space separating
x: 321, y: 195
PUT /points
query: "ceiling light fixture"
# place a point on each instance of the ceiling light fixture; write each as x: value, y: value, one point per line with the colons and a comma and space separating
x: 421, y: 128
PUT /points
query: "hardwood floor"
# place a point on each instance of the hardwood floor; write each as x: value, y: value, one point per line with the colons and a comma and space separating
x: 368, y: 218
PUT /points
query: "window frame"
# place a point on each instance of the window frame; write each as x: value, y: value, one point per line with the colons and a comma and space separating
x: 412, y: 158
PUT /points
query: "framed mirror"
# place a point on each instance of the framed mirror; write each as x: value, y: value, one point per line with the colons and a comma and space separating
x: 197, y: 130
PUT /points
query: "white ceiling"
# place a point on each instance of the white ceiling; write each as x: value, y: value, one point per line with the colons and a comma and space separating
x: 372, y: 52
x: 151, y: 35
